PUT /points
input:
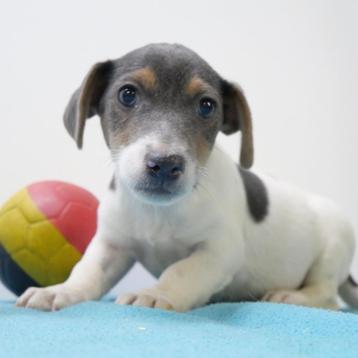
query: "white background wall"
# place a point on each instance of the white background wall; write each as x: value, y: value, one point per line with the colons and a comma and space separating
x: 296, y: 60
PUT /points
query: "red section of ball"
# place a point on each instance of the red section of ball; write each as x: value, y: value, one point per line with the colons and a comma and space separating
x: 72, y: 210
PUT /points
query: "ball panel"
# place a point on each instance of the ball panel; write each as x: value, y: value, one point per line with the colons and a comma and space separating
x: 72, y: 210
x: 12, y: 276
x: 13, y: 230
x: 32, y: 264
x: 81, y: 228
x: 29, y: 209
x: 47, y: 242
x: 45, y: 197
x: 44, y: 239
x: 70, y: 192
x: 61, y: 264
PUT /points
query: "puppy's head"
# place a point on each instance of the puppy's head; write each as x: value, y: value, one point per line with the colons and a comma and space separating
x: 161, y: 108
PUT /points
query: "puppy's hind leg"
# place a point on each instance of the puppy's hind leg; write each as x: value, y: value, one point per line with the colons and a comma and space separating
x: 314, y: 295
x: 320, y: 287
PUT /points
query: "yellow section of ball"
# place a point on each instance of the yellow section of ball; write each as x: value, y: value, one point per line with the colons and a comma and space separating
x: 34, y: 243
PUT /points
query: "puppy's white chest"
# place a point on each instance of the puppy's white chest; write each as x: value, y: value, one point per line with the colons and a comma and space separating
x: 156, y: 256
x: 150, y: 230
x: 158, y: 239
x: 162, y: 245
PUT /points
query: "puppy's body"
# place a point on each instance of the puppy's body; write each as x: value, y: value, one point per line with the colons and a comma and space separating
x: 206, y: 227
x: 276, y: 253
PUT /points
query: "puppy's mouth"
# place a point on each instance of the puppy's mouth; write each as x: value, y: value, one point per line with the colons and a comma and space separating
x: 151, y: 190
x: 158, y: 193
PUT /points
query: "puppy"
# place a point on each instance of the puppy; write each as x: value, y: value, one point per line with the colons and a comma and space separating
x: 208, y: 229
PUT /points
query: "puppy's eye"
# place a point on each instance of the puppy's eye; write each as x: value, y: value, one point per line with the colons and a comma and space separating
x: 127, y: 95
x: 206, y: 107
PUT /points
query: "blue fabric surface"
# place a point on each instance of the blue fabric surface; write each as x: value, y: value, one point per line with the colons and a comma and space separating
x: 103, y: 329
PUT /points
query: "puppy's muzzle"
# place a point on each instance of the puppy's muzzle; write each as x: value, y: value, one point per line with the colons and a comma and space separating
x: 164, y: 169
x: 162, y: 175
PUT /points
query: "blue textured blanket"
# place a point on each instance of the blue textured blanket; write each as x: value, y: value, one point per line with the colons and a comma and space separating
x: 103, y: 329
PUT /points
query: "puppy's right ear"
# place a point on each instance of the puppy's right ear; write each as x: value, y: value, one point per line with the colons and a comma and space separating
x: 84, y: 103
x: 237, y: 117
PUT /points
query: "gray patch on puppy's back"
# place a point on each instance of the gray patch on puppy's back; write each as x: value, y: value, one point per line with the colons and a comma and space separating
x: 256, y: 195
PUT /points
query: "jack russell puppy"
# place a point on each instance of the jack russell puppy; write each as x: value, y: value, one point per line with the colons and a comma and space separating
x: 208, y: 229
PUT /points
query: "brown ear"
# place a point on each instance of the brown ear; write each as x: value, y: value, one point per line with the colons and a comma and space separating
x: 84, y: 102
x: 237, y: 117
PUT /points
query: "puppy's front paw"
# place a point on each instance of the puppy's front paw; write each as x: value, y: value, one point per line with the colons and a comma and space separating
x: 50, y: 298
x: 146, y: 298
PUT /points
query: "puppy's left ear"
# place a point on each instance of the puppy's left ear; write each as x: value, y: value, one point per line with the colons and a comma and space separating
x: 237, y: 116
x: 84, y: 103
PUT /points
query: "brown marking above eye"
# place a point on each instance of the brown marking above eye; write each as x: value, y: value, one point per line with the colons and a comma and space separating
x: 196, y: 86
x: 146, y: 77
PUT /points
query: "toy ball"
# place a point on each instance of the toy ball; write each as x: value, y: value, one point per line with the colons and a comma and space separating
x: 44, y: 230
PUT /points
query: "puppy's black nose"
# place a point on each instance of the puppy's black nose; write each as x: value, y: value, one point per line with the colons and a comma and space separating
x: 165, y: 168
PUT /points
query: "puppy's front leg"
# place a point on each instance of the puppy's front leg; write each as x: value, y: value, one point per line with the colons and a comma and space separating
x: 102, y: 265
x: 192, y: 281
